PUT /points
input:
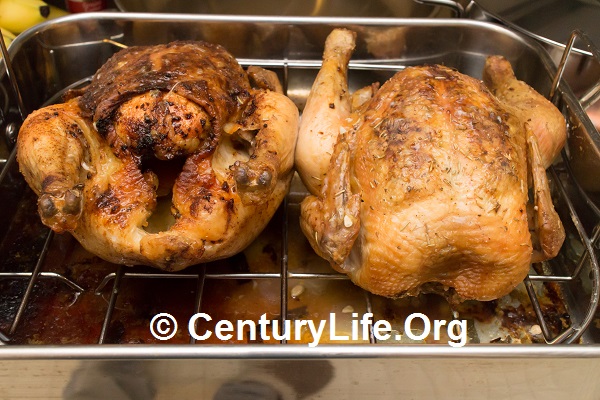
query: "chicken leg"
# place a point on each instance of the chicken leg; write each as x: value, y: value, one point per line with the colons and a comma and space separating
x: 328, y: 105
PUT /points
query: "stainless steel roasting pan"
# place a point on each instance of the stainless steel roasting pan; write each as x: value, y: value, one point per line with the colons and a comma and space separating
x: 73, y: 326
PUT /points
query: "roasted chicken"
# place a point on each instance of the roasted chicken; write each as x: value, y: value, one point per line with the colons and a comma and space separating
x: 102, y: 162
x: 427, y: 183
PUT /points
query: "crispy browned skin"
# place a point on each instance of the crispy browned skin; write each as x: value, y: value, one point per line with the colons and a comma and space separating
x: 328, y: 105
x: 428, y: 188
x: 203, y: 73
x: 544, y: 120
x: 87, y: 158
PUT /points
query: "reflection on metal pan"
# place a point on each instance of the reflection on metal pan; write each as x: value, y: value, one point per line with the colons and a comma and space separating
x: 277, y: 274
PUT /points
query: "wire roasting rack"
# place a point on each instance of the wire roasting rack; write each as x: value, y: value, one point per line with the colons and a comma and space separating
x: 561, y: 176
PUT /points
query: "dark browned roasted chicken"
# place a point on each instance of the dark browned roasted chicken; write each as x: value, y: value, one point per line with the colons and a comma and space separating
x: 426, y: 182
x: 93, y: 160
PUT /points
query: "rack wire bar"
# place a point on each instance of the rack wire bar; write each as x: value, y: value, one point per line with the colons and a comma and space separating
x: 43, y: 274
x: 366, y: 65
x: 369, y: 308
x: 58, y: 95
x: 112, y: 40
x: 177, y: 275
x: 111, y: 304
x: 220, y: 275
x: 575, y: 331
x: 31, y: 283
x: 284, y: 240
x: 595, y: 240
x: 199, y: 291
x: 7, y: 165
x: 537, y: 308
x: 284, y: 270
x: 4, y: 339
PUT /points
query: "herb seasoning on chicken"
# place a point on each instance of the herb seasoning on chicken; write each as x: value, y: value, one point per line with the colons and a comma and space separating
x: 426, y: 188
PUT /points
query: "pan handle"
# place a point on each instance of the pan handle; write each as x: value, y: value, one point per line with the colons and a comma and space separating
x: 459, y: 10
x: 593, y: 94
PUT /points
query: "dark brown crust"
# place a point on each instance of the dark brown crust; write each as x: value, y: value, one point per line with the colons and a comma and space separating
x: 203, y: 73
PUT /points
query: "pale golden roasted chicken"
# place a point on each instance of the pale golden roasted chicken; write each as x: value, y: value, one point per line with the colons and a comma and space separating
x: 426, y: 181
x: 179, y: 121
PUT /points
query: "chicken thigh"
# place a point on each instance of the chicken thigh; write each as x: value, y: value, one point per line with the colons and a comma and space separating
x: 427, y: 188
x: 97, y: 161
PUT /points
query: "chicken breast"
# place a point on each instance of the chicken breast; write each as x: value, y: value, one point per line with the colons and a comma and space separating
x: 427, y: 190
x: 97, y: 161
